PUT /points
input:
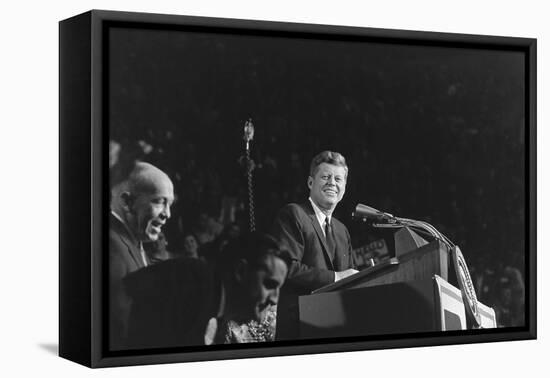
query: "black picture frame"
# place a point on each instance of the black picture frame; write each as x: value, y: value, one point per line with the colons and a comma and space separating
x: 84, y: 102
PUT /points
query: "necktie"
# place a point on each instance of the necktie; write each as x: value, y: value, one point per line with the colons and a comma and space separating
x: 329, y: 237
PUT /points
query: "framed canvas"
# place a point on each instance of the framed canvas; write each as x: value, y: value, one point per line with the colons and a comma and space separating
x: 234, y: 188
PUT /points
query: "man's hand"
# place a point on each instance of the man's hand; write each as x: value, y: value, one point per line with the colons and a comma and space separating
x: 343, y: 274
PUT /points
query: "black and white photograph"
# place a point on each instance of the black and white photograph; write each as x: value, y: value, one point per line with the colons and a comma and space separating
x: 272, y: 185
x: 267, y: 189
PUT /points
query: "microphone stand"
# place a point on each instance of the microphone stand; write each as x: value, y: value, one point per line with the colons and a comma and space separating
x: 421, y: 227
x: 461, y: 269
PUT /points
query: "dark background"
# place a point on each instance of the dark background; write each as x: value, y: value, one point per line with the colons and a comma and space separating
x: 430, y: 133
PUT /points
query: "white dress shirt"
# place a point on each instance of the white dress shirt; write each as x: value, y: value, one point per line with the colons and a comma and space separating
x: 321, y: 217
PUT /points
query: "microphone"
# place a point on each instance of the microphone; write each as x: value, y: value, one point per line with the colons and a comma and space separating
x: 369, y: 214
x: 248, y: 132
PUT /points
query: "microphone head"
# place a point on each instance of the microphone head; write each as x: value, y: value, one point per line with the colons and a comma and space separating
x: 366, y: 213
x: 248, y: 131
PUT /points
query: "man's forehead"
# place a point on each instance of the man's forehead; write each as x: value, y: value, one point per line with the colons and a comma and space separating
x: 331, y: 168
x: 159, y: 187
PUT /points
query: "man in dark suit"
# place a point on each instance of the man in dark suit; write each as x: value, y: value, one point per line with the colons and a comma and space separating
x: 319, y: 244
x: 138, y: 211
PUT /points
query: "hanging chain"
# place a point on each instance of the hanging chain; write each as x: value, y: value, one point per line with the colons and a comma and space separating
x: 250, y: 193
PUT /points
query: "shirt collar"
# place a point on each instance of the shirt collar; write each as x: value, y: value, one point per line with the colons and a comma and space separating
x: 118, y: 217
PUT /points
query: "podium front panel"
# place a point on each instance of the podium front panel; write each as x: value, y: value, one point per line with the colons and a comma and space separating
x: 450, y: 307
x: 378, y: 310
x: 405, y: 307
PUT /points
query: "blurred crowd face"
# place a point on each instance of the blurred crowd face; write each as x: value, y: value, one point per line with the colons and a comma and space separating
x: 260, y: 286
x: 190, y: 246
x: 158, y: 246
x: 161, y: 242
x: 507, y: 297
x: 114, y: 153
x: 328, y: 186
x: 150, y: 210
x: 203, y: 221
x: 233, y: 231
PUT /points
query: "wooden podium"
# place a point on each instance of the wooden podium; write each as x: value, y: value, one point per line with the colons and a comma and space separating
x: 405, y: 294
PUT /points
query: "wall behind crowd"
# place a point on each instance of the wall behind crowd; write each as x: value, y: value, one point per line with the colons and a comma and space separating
x: 429, y: 133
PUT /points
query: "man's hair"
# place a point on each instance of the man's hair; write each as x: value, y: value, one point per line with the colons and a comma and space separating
x: 252, y: 247
x: 329, y: 157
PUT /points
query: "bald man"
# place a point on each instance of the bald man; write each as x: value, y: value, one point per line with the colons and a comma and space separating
x: 139, y: 209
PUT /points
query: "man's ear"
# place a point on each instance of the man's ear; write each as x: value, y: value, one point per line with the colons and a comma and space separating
x: 127, y: 201
x: 240, y: 271
x: 309, y: 182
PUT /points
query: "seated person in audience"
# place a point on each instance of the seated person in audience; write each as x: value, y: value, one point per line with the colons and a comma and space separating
x: 207, y: 229
x: 183, y: 302
x: 190, y: 246
x: 211, y: 251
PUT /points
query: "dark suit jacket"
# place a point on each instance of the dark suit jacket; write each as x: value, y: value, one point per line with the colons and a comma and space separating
x: 313, y: 266
x: 124, y: 258
x: 172, y: 303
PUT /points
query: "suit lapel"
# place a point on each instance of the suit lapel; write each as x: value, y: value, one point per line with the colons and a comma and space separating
x: 129, y: 241
x: 337, y: 244
x: 328, y: 256
x: 134, y: 252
